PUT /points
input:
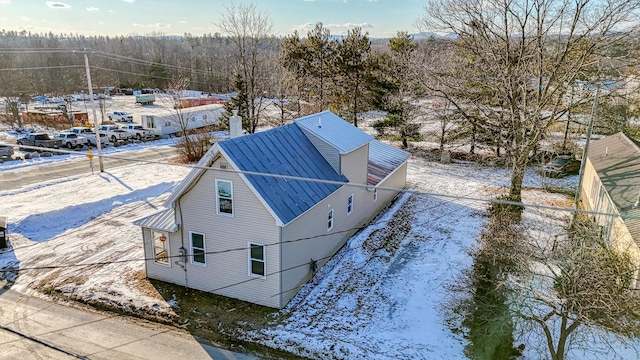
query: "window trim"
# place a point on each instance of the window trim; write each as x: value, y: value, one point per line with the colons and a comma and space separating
x: 218, y: 181
x: 191, y: 249
x: 167, y: 248
x: 250, y: 260
x: 330, y: 220
x: 350, y: 205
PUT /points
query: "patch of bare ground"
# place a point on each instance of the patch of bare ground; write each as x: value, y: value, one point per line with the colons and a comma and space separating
x: 139, y: 281
x: 48, y: 284
x: 219, y: 320
x: 391, y: 236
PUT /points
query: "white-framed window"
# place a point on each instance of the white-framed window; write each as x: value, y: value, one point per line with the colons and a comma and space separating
x: 197, y: 248
x: 257, y: 263
x: 375, y: 194
x: 349, y: 204
x: 160, y: 248
x: 330, y: 220
x: 224, y: 197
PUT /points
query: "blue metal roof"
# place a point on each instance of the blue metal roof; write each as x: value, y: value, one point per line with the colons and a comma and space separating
x: 334, y: 130
x: 284, y: 151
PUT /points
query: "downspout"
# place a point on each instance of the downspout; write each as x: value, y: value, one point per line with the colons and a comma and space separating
x: 280, y: 268
x: 183, y: 258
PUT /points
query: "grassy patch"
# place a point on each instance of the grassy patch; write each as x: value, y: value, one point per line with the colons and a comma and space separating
x: 219, y: 320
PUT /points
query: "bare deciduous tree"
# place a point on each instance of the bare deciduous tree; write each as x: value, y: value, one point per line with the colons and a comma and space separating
x: 250, y: 30
x: 194, y: 142
x: 514, y: 61
x: 551, y: 292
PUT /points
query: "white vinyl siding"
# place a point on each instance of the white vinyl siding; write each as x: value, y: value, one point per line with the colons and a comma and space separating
x: 226, y: 272
x: 198, y: 249
x: 224, y: 197
x: 257, y: 263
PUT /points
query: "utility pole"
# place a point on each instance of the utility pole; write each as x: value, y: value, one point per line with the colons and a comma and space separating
x: 586, y: 147
x: 93, y: 108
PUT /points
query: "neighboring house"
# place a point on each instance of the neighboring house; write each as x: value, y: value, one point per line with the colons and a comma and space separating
x: 232, y: 231
x: 611, y: 184
x: 170, y: 122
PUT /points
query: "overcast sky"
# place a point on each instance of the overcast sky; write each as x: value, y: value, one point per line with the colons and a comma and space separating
x: 381, y: 18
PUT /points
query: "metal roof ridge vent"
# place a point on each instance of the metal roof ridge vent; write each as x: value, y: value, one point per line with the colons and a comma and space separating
x: 319, y: 121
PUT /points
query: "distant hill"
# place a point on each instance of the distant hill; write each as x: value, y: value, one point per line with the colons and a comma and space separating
x: 428, y: 34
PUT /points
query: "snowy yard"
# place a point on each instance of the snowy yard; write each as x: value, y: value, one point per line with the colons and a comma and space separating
x: 375, y: 300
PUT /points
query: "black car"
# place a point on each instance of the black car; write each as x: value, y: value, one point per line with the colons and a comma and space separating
x: 562, y: 165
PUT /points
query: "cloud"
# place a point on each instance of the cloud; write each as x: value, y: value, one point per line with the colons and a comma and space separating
x: 128, y: 1
x: 181, y: 22
x: 25, y: 18
x: 4, y: 2
x: 91, y: 8
x: 111, y: 11
x: 156, y: 25
x: 57, y: 5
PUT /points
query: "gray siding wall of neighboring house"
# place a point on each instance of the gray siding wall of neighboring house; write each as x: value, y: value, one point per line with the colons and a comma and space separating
x: 227, y: 273
x: 330, y: 153
x: 171, y: 272
x: 307, y: 237
x: 354, y: 165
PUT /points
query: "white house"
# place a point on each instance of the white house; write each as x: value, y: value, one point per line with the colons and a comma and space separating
x: 611, y: 185
x: 260, y: 213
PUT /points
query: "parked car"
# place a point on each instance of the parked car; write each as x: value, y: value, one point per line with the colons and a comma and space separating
x: 562, y: 165
x: 114, y: 133
x: 6, y: 152
x: 42, y: 140
x: 72, y: 140
x: 91, y: 137
x: 138, y: 132
x: 120, y: 116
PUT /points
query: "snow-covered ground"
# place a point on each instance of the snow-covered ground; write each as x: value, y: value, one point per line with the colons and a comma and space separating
x: 373, y: 300
x: 367, y: 303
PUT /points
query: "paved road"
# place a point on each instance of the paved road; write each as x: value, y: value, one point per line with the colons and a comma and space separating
x: 31, y: 328
x: 15, y: 179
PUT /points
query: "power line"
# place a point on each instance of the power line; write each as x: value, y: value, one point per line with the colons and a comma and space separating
x: 350, y: 184
x: 43, y: 68
x: 137, y: 61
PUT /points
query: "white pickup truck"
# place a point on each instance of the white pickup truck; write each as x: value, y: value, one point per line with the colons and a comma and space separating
x: 138, y: 132
x: 91, y: 137
x: 114, y: 133
x: 120, y: 116
x: 71, y: 140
